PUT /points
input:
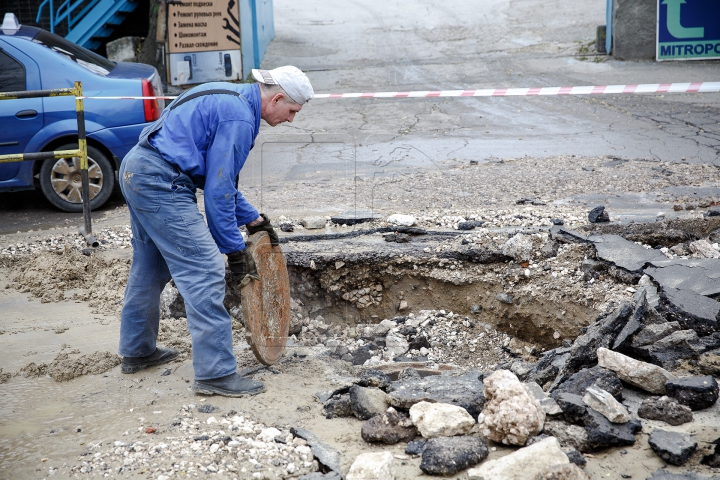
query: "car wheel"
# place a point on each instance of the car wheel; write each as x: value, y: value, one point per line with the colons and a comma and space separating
x: 61, y: 181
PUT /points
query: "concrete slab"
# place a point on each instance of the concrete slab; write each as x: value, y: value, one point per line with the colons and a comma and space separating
x: 699, y: 275
x: 691, y: 310
x: 354, y: 217
x: 623, y: 253
x: 634, y: 24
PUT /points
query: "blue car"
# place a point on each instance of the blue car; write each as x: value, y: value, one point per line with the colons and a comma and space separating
x: 34, y: 59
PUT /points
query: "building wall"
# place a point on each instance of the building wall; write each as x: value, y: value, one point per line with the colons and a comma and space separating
x: 26, y: 10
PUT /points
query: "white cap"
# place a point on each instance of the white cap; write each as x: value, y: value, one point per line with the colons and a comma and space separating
x: 289, y: 78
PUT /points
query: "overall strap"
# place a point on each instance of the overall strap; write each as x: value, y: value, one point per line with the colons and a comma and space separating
x: 187, y: 98
x: 150, y: 130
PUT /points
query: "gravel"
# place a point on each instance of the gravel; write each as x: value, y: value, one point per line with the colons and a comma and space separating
x: 110, y: 238
x: 231, y: 446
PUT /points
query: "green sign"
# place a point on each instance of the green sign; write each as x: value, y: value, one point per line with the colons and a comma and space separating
x: 688, y: 29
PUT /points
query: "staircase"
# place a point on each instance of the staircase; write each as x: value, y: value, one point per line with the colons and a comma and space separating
x: 88, y: 21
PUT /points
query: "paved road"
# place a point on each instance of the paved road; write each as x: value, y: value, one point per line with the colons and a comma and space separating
x: 29, y: 210
x: 365, y: 45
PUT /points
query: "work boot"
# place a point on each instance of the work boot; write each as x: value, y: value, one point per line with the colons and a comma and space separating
x: 232, y: 385
x: 158, y: 357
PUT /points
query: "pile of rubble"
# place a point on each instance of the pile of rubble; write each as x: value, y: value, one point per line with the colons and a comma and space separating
x: 661, y: 350
x: 520, y: 216
x: 431, y: 336
x: 109, y: 238
x: 570, y: 403
x: 69, y: 274
x: 228, y: 447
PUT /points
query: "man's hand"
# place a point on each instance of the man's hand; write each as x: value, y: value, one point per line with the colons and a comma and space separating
x: 242, y: 269
x: 263, y: 224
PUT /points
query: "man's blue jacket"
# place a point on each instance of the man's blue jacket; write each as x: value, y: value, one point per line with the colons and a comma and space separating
x: 209, y: 138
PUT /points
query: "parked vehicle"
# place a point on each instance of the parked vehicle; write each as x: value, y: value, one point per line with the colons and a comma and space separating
x: 34, y: 59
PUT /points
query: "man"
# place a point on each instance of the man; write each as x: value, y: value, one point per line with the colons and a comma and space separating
x: 200, y: 141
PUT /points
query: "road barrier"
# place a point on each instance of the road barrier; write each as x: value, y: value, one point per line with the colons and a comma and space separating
x: 81, y: 152
x: 647, y: 88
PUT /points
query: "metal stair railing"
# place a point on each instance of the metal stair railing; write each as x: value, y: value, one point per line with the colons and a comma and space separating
x: 65, y: 11
x: 83, y: 19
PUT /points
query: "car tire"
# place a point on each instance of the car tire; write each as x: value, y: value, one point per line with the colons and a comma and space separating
x: 61, y: 185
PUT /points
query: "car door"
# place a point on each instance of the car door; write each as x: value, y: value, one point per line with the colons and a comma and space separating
x: 20, y: 119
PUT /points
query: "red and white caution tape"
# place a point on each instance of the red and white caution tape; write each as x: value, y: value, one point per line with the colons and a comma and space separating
x: 127, y: 98
x: 698, y: 87
x: 695, y: 87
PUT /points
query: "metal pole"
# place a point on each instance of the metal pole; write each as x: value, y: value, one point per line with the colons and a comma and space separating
x: 30, y: 157
x: 81, y: 152
x: 82, y: 147
x: 55, y: 92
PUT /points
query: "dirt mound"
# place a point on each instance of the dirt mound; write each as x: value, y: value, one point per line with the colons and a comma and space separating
x: 69, y: 274
x: 175, y: 334
x: 70, y: 364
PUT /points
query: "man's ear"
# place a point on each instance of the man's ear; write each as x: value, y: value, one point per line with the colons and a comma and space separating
x: 278, y: 98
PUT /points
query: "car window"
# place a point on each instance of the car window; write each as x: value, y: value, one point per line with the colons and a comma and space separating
x: 82, y: 56
x: 12, y: 74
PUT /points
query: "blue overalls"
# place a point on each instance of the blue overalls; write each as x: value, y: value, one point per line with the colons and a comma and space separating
x: 198, y: 143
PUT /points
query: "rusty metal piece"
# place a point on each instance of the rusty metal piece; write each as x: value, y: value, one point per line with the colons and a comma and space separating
x: 266, y: 303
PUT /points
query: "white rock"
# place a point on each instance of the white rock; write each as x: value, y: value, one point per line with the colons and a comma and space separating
x: 646, y: 376
x: 396, y: 345
x: 269, y: 434
x: 368, y: 402
x: 511, y: 414
x: 123, y: 49
x: 568, y: 471
x: 373, y: 466
x: 604, y: 403
x: 520, y: 247
x: 681, y: 337
x: 416, y: 321
x: 548, y: 404
x: 382, y: 328
x: 704, y: 249
x: 313, y: 223
x: 440, y: 419
x: 170, y: 299
x: 303, y: 450
x: 403, y: 220
x: 522, y: 464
